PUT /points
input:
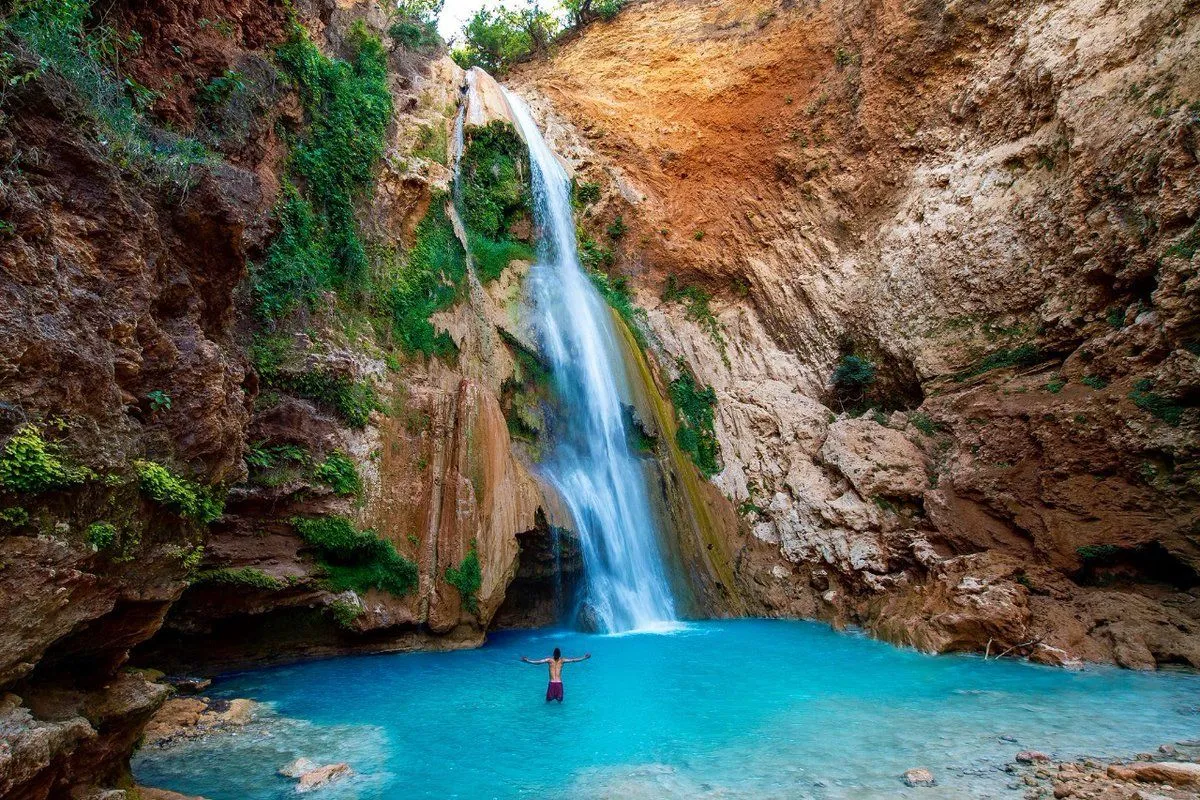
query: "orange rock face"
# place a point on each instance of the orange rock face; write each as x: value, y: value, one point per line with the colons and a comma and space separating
x: 997, y: 208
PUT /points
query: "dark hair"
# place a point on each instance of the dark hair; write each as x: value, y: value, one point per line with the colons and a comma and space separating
x: 557, y: 653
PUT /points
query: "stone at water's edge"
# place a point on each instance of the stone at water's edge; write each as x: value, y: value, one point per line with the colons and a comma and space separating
x: 323, y: 776
x: 918, y: 777
x: 1172, y: 772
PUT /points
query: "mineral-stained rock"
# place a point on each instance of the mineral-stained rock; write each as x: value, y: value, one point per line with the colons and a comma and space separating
x: 878, y: 461
x: 1176, y: 773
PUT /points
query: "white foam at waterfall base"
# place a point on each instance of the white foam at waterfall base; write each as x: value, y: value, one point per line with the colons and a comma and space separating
x: 589, y: 462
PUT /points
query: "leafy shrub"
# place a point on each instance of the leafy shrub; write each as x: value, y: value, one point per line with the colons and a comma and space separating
x: 853, y: 378
x: 923, y: 423
x: 352, y: 400
x: 14, y: 516
x: 101, y: 535
x: 159, y: 400
x: 431, y: 277
x: 30, y: 464
x: 467, y: 578
x: 594, y: 256
x: 263, y: 456
x: 618, y: 228
x: 580, y: 12
x: 355, y: 559
x: 584, y: 193
x: 243, y: 577
x: 56, y: 36
x: 432, y: 143
x: 1094, y: 381
x: 345, y: 613
x: 338, y: 472
x: 1024, y: 356
x: 347, y: 107
x: 1145, y: 398
x: 1097, y: 553
x: 494, y: 189
x: 1055, y: 385
x: 177, y: 494
x: 220, y: 88
x: 696, y: 408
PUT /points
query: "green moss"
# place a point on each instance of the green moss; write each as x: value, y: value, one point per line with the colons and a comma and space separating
x: 1097, y: 553
x: 432, y: 143
x: 29, y: 464
x: 354, y: 559
x: 1025, y: 355
x: 347, y: 107
x: 640, y: 440
x: 338, y: 472
x: 695, y: 405
x: 429, y: 278
x: 177, y: 494
x: 243, y: 577
x: 467, y: 578
x: 1187, y: 246
x: 495, y: 193
x: 101, y: 535
x: 1160, y: 406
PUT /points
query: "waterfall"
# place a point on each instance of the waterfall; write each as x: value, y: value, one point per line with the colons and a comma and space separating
x: 588, y: 460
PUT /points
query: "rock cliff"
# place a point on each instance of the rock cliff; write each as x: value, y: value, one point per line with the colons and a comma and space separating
x: 936, y: 261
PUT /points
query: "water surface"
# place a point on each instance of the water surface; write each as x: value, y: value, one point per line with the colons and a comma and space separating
x: 731, y: 709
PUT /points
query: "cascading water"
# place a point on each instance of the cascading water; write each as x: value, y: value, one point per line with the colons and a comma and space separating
x: 589, y: 461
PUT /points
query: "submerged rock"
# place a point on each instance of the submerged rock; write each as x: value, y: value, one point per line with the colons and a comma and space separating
x: 321, y: 776
x: 296, y: 768
x: 918, y: 776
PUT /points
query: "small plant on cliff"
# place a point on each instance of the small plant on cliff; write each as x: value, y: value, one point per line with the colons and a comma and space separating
x: 494, y: 176
x: 617, y: 229
x: 159, y: 400
x: 1025, y: 355
x: 1093, y: 381
x: 584, y: 193
x: 177, y: 494
x: 1188, y: 246
x: 1091, y: 554
x: 355, y: 559
x: 101, y: 535
x: 467, y: 578
x: 14, y: 517
x: 352, y: 400
x: 338, y: 472
x: 695, y: 405
x: 30, y: 464
x: 1056, y: 385
x: 617, y: 294
x: 1145, y: 398
x: 242, y: 577
x: 219, y: 89
x: 697, y: 304
x: 852, y: 379
x: 345, y: 613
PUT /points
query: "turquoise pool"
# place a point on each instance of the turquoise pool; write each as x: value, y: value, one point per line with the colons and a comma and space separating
x: 728, y: 709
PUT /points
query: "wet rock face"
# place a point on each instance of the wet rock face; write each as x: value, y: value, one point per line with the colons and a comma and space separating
x: 1002, y: 224
x: 549, y: 574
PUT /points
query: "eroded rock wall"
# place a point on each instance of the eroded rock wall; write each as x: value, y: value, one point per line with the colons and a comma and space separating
x: 995, y: 206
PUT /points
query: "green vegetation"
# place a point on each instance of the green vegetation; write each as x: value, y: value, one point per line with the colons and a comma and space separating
x: 1097, y: 553
x: 14, y: 516
x: 467, y: 578
x: 617, y: 294
x: 1025, y: 355
x: 28, y: 463
x: 1115, y: 317
x: 695, y: 405
x: 698, y: 236
x: 432, y: 143
x: 1055, y: 385
x: 497, y: 38
x: 1187, y: 246
x: 923, y: 423
x: 584, y: 193
x: 101, y: 535
x: 1094, y: 381
x: 697, y: 303
x: 354, y: 559
x: 63, y: 37
x: 1145, y: 398
x: 852, y: 379
x: 640, y: 440
x: 594, y: 256
x: 347, y: 107
x: 617, y: 229
x: 351, y: 400
x: 242, y: 577
x: 431, y: 278
x: 177, y: 494
x: 218, y: 90
x: 159, y: 400
x: 413, y: 24
x: 338, y: 472
x: 344, y: 612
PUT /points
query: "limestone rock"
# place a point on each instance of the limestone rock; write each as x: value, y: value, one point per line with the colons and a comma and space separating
x: 322, y: 776
x: 918, y: 776
x: 878, y: 461
x: 1175, y: 773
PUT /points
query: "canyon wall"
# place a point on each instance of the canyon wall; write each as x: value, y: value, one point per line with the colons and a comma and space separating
x: 188, y: 482
x: 994, y: 210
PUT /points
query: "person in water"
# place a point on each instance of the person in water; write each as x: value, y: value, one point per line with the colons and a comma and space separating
x: 555, y: 690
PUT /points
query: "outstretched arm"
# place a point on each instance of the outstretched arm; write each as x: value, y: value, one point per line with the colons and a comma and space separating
x: 586, y: 656
x: 539, y: 661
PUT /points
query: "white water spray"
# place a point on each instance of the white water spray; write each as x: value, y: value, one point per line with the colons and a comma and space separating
x: 589, y: 462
